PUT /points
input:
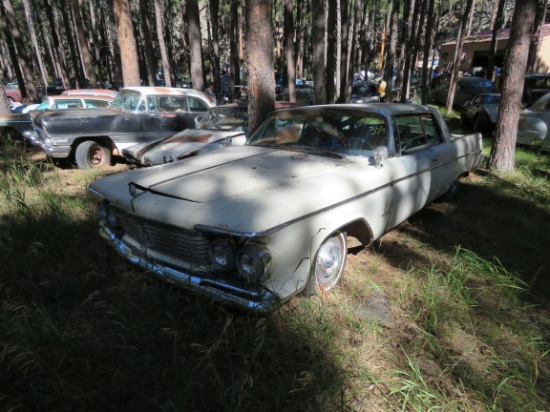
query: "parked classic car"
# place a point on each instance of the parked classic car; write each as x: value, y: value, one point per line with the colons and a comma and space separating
x: 534, y: 124
x: 365, y: 92
x: 138, y: 114
x: 220, y: 127
x: 481, y: 112
x: 466, y: 89
x: 254, y: 225
x: 23, y: 124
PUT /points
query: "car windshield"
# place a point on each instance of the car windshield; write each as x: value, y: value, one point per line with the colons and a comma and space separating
x: 491, y: 99
x: 338, y: 131
x: 129, y: 101
x: 225, y: 118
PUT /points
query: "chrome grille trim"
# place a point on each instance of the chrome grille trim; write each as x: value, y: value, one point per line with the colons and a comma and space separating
x: 183, y: 244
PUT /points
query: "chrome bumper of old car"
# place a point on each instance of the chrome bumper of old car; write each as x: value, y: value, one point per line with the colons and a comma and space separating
x: 259, y: 301
x: 57, y: 152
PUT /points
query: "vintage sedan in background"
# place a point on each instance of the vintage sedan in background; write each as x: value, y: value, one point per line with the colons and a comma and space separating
x: 220, y: 127
x: 466, y: 89
x: 138, y: 114
x: 481, y: 112
x: 23, y: 124
x: 534, y: 124
x: 251, y: 226
x: 365, y: 92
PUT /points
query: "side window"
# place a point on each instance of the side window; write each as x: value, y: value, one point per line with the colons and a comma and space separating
x: 433, y: 135
x: 68, y: 104
x: 93, y: 103
x: 197, y: 105
x: 416, y: 132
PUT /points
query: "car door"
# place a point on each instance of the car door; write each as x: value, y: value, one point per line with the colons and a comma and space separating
x: 197, y: 107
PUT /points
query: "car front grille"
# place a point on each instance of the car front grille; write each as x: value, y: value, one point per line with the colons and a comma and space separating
x: 175, y: 242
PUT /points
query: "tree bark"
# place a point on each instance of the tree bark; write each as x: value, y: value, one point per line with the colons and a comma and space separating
x: 126, y: 43
x: 26, y: 84
x: 4, y: 106
x: 195, y: 45
x: 390, y: 55
x: 34, y: 42
x: 536, y: 36
x: 503, y: 151
x: 289, y: 51
x: 215, y: 59
x: 428, y: 42
x: 150, y: 57
x: 162, y: 44
x: 458, y: 54
x: 234, y: 48
x: 318, y: 55
x: 344, y: 55
x: 259, y: 61
x: 493, y: 48
x: 83, y: 43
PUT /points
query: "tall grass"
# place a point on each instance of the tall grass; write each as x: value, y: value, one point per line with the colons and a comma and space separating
x: 427, y: 319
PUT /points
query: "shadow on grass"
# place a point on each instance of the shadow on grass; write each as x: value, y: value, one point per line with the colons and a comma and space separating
x: 492, y: 224
x: 80, y: 330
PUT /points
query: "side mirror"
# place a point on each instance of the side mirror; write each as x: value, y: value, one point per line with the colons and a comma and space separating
x: 380, y: 154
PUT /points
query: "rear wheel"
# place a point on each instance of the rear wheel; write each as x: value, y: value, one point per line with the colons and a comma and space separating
x: 90, y: 154
x: 329, y: 265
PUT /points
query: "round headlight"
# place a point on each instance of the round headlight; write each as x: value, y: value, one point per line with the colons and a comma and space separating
x: 222, y: 254
x: 253, y: 262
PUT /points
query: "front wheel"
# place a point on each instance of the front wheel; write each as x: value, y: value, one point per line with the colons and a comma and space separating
x: 329, y: 264
x: 90, y: 154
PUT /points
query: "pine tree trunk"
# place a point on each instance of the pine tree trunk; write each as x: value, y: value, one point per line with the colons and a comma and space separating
x: 83, y: 43
x: 318, y: 56
x: 34, y: 41
x: 458, y: 54
x: 259, y: 61
x: 503, y: 151
x: 496, y: 28
x: 126, y: 43
x: 289, y: 51
x: 26, y: 84
x: 390, y: 55
x: 537, y: 36
x: 145, y: 32
x: 162, y: 45
x: 195, y: 45
x: 234, y: 48
x: 215, y: 58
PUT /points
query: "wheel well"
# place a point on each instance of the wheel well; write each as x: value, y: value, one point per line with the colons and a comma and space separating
x: 359, y: 229
x: 102, y: 140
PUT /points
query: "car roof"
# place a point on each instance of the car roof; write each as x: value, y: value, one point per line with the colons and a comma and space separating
x: 81, y: 96
x: 148, y: 91
x: 390, y: 109
x: 90, y: 92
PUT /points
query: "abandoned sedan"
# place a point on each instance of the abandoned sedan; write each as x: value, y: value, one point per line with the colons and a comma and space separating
x: 251, y: 226
x: 220, y: 127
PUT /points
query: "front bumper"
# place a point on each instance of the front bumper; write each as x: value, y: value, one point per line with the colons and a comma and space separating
x: 251, y: 300
x: 57, y: 152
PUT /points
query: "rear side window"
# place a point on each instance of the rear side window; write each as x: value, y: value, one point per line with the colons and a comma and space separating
x: 197, y: 105
x: 416, y: 132
x: 68, y: 104
x: 94, y: 103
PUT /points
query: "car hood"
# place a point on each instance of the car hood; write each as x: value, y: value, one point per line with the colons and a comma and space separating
x: 246, y: 188
x: 176, y: 147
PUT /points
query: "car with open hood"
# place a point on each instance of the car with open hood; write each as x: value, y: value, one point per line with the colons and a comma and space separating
x: 252, y: 226
x: 137, y: 115
x: 220, y: 127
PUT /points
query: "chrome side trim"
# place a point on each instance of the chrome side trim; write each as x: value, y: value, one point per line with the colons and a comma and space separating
x: 251, y: 301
